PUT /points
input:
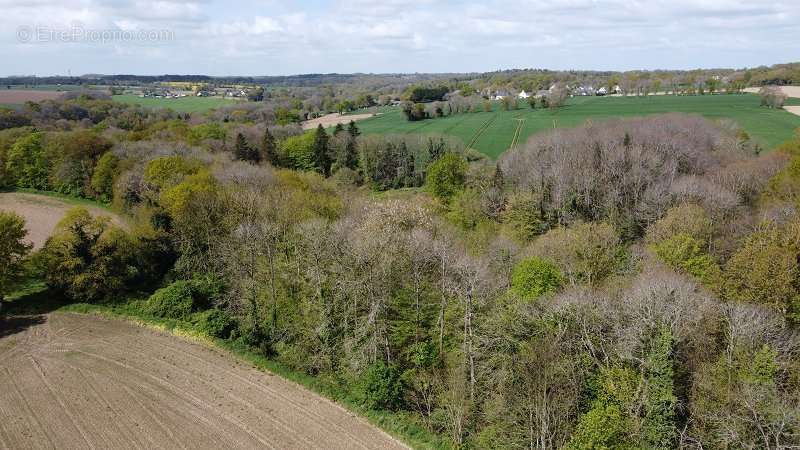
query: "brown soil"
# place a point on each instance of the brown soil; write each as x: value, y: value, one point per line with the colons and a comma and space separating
x: 331, y: 120
x: 42, y: 213
x: 83, y: 381
x: 19, y: 96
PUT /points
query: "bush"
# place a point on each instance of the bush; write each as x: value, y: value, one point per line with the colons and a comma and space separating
x: 181, y: 298
x: 535, y: 277
x: 382, y: 387
x: 216, y: 322
x: 172, y: 302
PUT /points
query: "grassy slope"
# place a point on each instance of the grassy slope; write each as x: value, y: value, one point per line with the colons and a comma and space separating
x: 767, y: 126
x: 184, y: 104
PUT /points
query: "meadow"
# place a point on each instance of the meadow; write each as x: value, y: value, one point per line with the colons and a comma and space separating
x: 183, y: 104
x: 494, y: 132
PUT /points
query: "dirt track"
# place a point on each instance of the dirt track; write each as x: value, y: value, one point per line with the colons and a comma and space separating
x: 331, y: 120
x: 42, y: 213
x: 82, y: 381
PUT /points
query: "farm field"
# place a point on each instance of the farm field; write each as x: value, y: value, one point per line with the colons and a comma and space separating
x: 42, y: 213
x: 20, y: 96
x: 84, y: 381
x: 184, y: 104
x: 492, y: 133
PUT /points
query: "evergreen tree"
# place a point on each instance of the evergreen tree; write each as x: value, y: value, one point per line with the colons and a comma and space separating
x: 242, y: 150
x: 322, y: 159
x: 498, y: 179
x: 350, y: 159
x: 658, y: 424
x: 353, y: 130
x: 338, y: 129
x: 269, y: 149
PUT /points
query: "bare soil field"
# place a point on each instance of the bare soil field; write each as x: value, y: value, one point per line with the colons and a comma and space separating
x: 791, y: 91
x: 42, y: 213
x: 331, y: 120
x: 19, y: 96
x: 82, y: 381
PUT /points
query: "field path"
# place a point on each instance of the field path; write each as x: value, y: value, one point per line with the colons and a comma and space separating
x: 83, y: 381
x: 42, y: 213
x: 793, y: 109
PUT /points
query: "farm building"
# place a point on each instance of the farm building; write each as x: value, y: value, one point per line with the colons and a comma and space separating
x: 523, y: 95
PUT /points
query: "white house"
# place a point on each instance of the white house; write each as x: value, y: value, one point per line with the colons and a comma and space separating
x: 523, y: 95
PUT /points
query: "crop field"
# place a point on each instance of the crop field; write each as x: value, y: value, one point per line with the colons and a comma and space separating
x: 492, y: 133
x: 42, y: 213
x: 183, y: 104
x: 20, y: 96
x: 84, y: 381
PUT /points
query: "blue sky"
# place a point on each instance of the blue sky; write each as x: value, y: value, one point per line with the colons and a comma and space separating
x: 266, y: 37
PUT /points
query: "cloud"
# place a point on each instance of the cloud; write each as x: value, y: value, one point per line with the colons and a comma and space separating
x: 280, y: 37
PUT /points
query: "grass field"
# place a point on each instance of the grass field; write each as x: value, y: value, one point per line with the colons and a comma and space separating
x: 184, y: 104
x: 492, y: 133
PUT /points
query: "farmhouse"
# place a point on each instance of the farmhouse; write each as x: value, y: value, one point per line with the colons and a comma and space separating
x: 523, y: 95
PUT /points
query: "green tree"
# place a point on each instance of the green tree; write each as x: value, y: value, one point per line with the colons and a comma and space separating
x: 13, y: 250
x: 353, y: 130
x: 269, y: 148
x: 105, y: 173
x: 686, y: 254
x: 322, y: 158
x: 88, y: 259
x: 535, y: 277
x: 446, y: 176
x: 27, y: 162
x: 244, y: 152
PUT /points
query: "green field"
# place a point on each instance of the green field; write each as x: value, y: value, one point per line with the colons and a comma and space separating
x: 492, y: 133
x: 183, y: 104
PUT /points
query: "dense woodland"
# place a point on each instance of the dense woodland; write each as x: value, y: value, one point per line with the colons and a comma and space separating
x: 628, y: 284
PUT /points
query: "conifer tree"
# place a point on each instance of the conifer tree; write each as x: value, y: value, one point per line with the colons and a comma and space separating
x: 320, y: 150
x: 269, y: 148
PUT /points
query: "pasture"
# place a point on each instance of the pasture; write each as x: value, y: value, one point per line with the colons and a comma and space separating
x: 183, y: 104
x: 492, y: 133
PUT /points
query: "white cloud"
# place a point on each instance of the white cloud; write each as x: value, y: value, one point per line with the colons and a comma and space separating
x: 270, y: 36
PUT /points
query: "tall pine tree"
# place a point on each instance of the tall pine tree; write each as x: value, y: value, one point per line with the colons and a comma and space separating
x: 352, y: 129
x: 269, y: 148
x: 322, y: 159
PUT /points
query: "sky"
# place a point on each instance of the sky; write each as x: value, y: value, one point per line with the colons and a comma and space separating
x: 271, y: 37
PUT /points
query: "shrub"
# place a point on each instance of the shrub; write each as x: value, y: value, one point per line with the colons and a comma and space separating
x: 535, y: 277
x: 216, y: 322
x: 382, y: 387
x: 172, y: 302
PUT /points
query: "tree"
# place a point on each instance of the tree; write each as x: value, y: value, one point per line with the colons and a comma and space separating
x: 88, y: 259
x: 535, y: 277
x: 105, y: 173
x: 446, y: 176
x: 322, y: 159
x: 352, y: 129
x: 269, y: 148
x: 13, y: 250
x: 244, y: 152
x: 27, y: 162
